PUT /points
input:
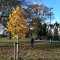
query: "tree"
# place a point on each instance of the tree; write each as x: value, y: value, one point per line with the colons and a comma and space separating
x: 17, y: 24
x: 8, y: 2
x: 37, y: 14
x: 56, y: 31
x: 6, y: 7
x: 44, y: 29
x: 38, y: 10
x: 37, y: 25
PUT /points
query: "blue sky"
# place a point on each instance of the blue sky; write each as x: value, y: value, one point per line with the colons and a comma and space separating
x: 55, y: 4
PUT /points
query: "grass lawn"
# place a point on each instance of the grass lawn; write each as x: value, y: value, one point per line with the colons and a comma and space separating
x: 39, y: 52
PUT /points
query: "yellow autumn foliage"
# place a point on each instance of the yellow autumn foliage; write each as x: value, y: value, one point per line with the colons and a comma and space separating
x: 17, y: 23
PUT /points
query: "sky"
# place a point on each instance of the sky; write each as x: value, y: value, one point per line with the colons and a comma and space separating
x: 55, y: 4
x: 56, y: 9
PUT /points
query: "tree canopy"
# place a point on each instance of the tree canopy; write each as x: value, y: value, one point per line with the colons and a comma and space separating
x: 17, y: 24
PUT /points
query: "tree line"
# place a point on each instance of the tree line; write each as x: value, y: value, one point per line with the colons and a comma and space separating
x: 20, y: 20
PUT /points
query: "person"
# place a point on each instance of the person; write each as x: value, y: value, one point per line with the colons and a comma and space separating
x: 32, y: 42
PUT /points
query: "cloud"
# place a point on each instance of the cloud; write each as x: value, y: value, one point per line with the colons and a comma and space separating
x: 28, y: 2
x: 36, y: 1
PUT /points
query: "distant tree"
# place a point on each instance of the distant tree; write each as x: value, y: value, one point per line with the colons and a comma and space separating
x: 6, y: 7
x: 44, y: 29
x: 56, y: 24
x: 38, y: 14
x: 8, y: 2
x: 56, y: 31
x: 37, y: 25
x: 36, y: 10
x: 49, y: 33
